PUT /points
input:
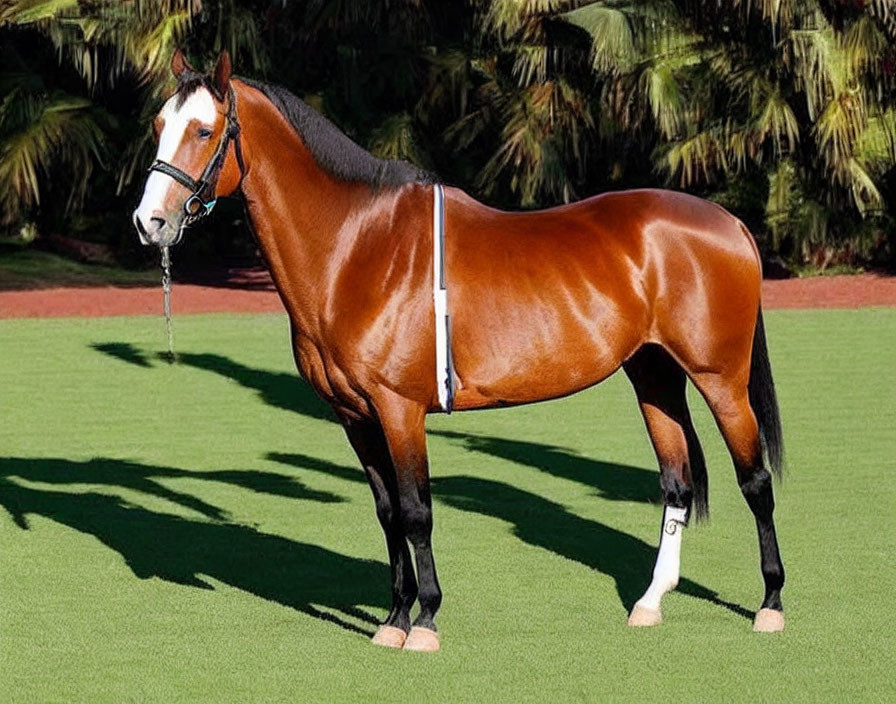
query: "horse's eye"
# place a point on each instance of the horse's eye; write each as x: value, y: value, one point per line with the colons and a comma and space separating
x: 204, y: 133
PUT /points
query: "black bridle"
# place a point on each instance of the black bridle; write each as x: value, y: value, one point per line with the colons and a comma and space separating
x: 202, y: 197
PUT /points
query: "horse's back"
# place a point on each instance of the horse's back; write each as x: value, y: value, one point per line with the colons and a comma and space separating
x: 620, y: 224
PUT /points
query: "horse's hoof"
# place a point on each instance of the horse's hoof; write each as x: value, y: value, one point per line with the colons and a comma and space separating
x: 768, y: 621
x: 423, y: 640
x: 389, y: 637
x: 642, y: 616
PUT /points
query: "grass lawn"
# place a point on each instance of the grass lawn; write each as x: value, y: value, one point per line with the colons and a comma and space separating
x: 200, y: 532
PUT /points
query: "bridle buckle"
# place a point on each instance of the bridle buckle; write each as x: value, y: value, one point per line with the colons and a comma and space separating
x: 196, y: 208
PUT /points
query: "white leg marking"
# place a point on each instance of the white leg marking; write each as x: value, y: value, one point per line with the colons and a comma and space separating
x: 668, y: 559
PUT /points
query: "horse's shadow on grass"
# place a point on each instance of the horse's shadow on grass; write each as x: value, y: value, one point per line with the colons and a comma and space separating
x: 311, y: 579
x: 616, y: 482
x: 545, y: 524
x: 536, y: 520
x: 548, y: 525
x: 287, y: 391
x: 144, y: 478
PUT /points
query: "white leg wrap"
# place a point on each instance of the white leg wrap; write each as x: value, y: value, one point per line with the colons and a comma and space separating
x: 668, y: 559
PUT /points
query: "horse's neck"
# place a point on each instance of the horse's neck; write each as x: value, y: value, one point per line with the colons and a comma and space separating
x: 300, y: 214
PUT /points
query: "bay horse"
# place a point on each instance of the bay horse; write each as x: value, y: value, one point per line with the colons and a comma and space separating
x: 541, y: 304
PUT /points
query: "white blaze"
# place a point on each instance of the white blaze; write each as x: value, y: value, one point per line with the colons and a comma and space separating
x: 198, y: 106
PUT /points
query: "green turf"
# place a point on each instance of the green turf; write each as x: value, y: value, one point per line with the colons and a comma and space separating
x: 200, y: 532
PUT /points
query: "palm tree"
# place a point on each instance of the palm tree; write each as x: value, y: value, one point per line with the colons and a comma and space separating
x: 115, y: 58
x: 54, y: 126
x: 797, y: 94
x: 523, y: 94
x: 784, y: 110
x: 43, y: 131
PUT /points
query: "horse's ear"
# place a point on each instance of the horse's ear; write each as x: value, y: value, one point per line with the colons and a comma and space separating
x: 222, y: 73
x: 179, y: 64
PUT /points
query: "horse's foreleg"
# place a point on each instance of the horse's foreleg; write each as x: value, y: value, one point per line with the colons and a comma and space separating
x: 403, y: 425
x: 369, y: 443
x: 660, y: 386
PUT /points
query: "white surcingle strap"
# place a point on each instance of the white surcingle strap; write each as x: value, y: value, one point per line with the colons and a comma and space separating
x: 444, y: 364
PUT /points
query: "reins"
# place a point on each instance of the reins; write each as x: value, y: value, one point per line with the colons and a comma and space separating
x: 202, y: 197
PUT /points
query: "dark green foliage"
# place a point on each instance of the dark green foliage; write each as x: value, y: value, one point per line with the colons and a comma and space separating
x: 785, y: 112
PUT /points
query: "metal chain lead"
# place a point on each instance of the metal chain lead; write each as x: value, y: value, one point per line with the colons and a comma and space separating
x: 166, y: 287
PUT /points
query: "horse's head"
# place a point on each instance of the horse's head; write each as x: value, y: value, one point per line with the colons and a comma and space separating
x: 199, y: 155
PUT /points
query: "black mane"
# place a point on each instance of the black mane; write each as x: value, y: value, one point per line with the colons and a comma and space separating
x: 333, y: 150
x: 336, y: 153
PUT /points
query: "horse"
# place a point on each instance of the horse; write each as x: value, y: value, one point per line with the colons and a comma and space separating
x: 537, y: 305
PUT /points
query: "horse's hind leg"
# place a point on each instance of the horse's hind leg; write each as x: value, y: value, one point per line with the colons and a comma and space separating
x: 369, y: 443
x: 730, y: 404
x: 660, y: 386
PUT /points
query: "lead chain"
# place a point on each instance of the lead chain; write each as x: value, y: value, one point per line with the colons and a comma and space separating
x: 166, y: 287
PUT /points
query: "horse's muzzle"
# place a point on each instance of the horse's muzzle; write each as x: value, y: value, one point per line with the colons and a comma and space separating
x: 155, y: 230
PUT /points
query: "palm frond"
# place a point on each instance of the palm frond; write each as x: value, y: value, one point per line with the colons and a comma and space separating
x: 876, y: 145
x: 697, y: 158
x: 64, y: 134
x: 26, y: 12
x: 863, y: 190
x: 613, y: 48
x: 664, y: 95
x: 777, y: 121
x: 509, y: 18
x: 395, y: 139
x: 864, y: 43
x: 838, y: 128
x: 819, y: 67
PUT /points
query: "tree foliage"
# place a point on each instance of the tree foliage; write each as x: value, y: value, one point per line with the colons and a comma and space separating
x: 783, y: 110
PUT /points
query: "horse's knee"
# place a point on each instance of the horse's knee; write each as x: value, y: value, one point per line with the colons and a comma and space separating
x: 382, y: 500
x: 416, y: 520
x: 756, y: 487
x: 754, y: 481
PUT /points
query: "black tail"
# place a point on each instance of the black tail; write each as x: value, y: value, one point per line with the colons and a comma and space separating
x: 699, y: 480
x: 764, y: 402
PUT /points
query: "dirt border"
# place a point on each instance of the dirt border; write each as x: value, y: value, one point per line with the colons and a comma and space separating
x: 854, y: 291
x: 251, y: 291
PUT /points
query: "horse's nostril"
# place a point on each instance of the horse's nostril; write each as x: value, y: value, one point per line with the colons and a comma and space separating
x: 138, y: 223
x: 157, y: 223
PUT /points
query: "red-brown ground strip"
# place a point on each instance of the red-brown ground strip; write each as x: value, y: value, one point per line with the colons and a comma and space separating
x: 251, y: 291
